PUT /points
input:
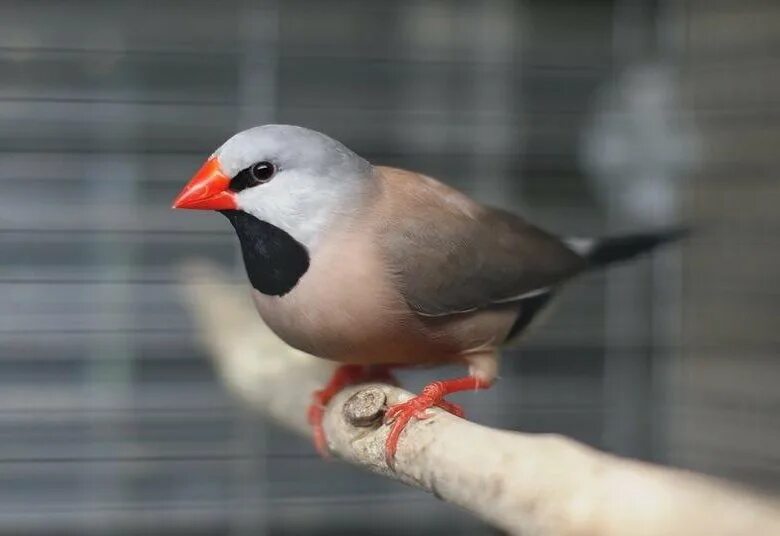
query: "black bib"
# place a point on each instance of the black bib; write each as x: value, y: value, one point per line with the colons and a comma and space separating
x: 273, y: 259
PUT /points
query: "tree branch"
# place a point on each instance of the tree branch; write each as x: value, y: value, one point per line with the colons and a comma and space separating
x: 527, y: 484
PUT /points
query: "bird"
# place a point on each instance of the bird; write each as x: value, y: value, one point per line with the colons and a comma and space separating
x: 376, y: 267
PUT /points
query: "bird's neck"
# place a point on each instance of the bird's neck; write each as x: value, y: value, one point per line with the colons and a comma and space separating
x: 273, y: 259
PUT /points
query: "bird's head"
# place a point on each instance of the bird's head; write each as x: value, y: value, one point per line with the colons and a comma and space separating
x: 291, y: 177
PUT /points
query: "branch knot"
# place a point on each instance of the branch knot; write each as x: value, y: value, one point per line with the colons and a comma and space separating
x: 366, y: 407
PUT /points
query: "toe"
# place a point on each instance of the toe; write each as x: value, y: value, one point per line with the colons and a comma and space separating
x: 450, y: 407
x: 315, y: 414
x: 423, y: 414
x: 397, y: 409
x: 320, y: 442
x: 400, y: 415
x: 391, y: 413
x: 391, y: 444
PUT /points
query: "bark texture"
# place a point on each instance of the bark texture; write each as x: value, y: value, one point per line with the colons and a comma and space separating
x: 527, y: 484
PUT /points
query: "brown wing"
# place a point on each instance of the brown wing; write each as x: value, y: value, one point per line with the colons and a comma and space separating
x: 451, y: 255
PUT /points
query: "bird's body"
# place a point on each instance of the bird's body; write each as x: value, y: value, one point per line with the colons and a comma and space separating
x: 367, y: 298
x: 369, y: 265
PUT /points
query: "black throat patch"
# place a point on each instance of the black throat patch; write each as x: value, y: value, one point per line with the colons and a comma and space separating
x: 273, y: 259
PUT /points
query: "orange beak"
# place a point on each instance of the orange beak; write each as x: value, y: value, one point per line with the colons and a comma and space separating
x: 207, y: 190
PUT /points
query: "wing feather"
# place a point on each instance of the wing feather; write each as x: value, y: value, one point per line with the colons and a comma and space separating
x: 452, y: 255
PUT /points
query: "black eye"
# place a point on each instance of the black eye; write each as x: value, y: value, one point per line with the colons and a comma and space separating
x: 252, y: 176
x: 263, y: 171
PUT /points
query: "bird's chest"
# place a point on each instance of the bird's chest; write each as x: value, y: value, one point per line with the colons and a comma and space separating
x: 343, y: 308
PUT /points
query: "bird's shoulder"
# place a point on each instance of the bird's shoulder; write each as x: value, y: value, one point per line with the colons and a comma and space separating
x: 409, y: 189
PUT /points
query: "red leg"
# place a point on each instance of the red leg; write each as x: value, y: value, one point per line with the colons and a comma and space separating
x: 432, y: 395
x: 343, y: 376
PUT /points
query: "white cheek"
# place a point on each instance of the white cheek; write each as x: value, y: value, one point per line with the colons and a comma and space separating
x: 293, y: 203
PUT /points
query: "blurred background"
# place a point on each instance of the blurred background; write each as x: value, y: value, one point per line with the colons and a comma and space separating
x: 587, y: 117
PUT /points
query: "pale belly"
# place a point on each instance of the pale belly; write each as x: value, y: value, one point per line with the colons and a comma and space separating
x: 344, y: 331
x: 346, y: 309
x: 339, y: 324
x: 349, y: 314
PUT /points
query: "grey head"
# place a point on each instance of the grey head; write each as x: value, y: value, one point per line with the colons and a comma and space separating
x: 313, y: 178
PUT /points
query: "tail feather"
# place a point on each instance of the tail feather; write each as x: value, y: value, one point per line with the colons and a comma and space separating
x: 608, y: 250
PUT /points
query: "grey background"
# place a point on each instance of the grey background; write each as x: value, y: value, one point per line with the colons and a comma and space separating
x: 587, y: 117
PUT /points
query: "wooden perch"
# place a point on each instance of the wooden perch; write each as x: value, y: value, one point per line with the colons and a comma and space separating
x: 530, y: 484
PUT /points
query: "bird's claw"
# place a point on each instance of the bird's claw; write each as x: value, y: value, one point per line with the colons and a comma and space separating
x: 342, y: 376
x: 399, y: 415
x: 315, y: 415
x: 451, y: 407
x: 420, y: 404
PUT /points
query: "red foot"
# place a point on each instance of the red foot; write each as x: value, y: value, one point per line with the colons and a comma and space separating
x: 343, y: 376
x: 432, y: 395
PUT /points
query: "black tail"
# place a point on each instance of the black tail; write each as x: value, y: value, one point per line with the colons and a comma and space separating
x: 608, y: 250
